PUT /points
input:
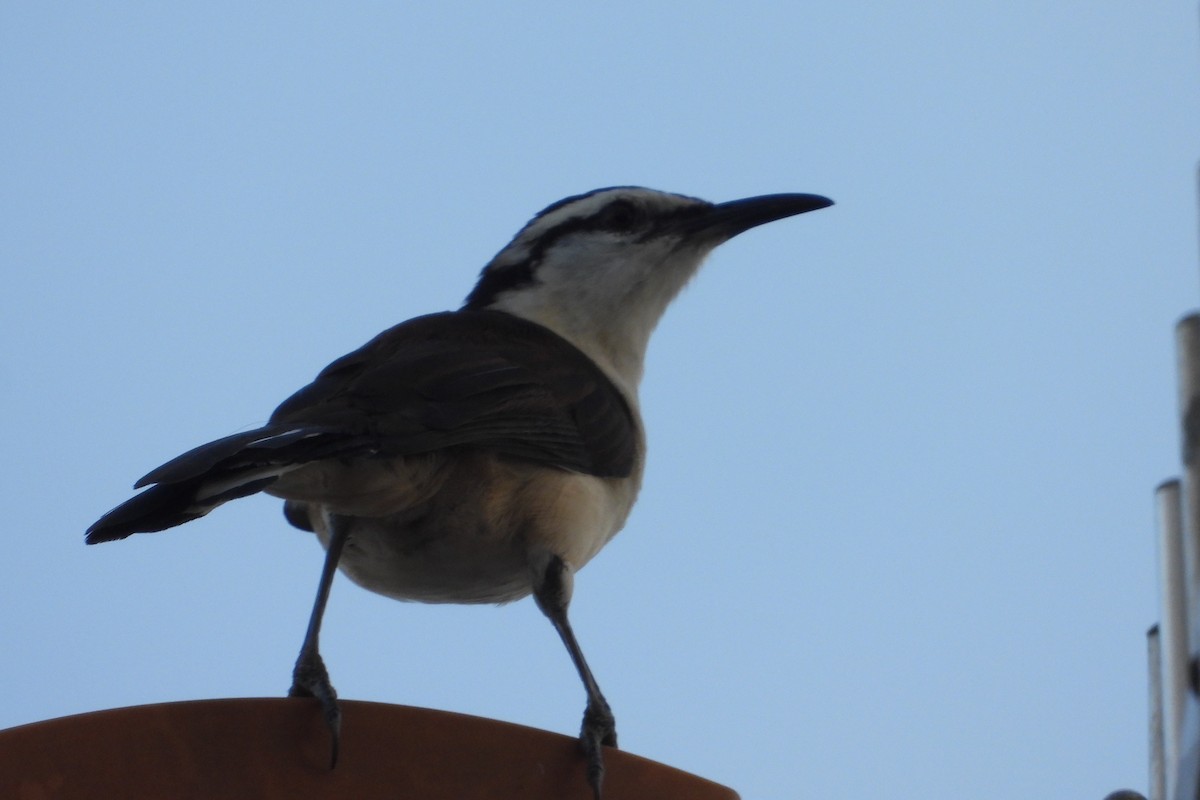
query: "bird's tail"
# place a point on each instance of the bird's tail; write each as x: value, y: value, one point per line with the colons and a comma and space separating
x: 193, y: 484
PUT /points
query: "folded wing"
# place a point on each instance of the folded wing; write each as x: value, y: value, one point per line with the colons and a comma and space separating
x: 482, y: 380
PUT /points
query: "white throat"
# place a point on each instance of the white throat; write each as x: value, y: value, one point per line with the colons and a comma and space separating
x: 606, y: 301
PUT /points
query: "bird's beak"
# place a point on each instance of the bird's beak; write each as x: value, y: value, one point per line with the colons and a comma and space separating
x: 722, y: 221
x: 738, y: 216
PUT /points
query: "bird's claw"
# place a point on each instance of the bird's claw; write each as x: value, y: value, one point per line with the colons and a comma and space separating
x: 311, y: 679
x: 599, y: 731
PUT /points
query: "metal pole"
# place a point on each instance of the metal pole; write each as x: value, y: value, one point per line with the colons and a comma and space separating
x: 1174, y: 627
x: 1185, y: 776
x: 1158, y: 774
x: 1187, y: 339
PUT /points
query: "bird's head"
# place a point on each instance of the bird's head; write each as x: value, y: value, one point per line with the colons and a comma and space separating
x: 600, y: 268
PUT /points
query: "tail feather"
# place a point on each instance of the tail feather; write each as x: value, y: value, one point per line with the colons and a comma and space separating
x: 256, y: 446
x: 191, y: 485
x: 156, y: 509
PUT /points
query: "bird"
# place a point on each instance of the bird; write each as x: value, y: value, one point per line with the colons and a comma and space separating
x: 480, y: 455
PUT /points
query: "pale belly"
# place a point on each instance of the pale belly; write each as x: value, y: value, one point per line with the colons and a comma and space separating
x: 460, y: 530
x: 443, y: 566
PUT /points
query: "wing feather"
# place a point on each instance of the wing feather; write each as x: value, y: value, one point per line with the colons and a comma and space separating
x: 483, y: 379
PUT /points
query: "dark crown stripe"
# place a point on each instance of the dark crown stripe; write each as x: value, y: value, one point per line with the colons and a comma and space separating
x: 494, y: 281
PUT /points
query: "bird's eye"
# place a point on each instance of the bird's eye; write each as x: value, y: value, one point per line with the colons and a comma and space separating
x: 620, y: 216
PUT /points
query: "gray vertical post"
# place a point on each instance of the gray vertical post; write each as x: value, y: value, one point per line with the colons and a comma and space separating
x: 1173, y: 627
x: 1186, y: 775
x: 1158, y: 773
x: 1187, y: 339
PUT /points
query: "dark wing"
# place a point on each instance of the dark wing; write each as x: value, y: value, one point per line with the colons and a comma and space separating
x: 483, y: 379
x: 476, y: 379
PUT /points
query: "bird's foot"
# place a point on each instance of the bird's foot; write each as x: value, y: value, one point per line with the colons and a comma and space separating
x: 311, y: 679
x: 599, y: 730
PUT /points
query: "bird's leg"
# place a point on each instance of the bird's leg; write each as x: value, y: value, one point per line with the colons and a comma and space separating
x: 310, y: 678
x: 553, y: 594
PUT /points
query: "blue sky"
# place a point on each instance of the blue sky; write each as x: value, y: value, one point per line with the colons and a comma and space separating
x: 896, y: 535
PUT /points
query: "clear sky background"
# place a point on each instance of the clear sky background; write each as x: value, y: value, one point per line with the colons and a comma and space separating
x: 896, y: 535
